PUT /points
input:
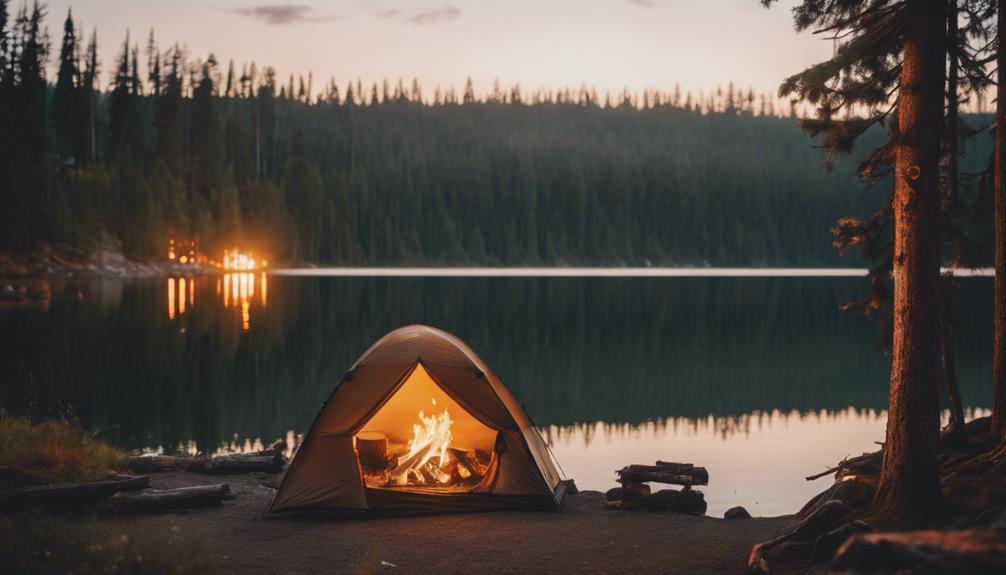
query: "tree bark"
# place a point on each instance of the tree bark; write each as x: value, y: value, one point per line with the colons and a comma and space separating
x: 909, y: 487
x: 999, y: 350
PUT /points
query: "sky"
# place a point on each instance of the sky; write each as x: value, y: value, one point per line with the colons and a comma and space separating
x: 605, y: 44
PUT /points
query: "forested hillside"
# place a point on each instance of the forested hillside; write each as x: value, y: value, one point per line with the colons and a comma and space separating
x: 183, y: 149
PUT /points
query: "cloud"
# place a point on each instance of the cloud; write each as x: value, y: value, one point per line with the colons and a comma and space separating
x: 279, y: 14
x: 392, y: 13
x: 647, y: 3
x: 445, y: 14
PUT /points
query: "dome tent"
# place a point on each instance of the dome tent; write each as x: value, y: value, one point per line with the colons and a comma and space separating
x: 477, y: 451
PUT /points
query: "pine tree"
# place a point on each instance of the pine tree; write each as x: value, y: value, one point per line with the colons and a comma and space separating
x: 64, y: 110
x: 890, y: 62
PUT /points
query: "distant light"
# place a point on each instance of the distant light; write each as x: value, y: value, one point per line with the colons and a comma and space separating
x: 183, y: 259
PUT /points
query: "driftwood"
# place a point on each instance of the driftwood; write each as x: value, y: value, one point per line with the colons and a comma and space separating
x: 239, y: 463
x: 69, y: 495
x: 186, y: 462
x: 865, y: 463
x: 965, y: 552
x: 161, y: 500
x: 154, y: 463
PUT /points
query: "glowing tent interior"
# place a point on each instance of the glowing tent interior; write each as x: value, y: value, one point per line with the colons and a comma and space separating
x: 420, y: 424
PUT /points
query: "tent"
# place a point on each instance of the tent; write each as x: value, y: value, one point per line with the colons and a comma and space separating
x: 420, y: 424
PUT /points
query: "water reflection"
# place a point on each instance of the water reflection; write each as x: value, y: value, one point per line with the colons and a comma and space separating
x: 234, y: 289
x: 661, y: 361
x: 756, y: 460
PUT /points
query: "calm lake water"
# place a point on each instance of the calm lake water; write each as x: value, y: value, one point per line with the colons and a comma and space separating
x: 760, y: 379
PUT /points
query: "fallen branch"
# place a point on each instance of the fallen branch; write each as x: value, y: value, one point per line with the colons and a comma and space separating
x: 69, y: 495
x: 161, y: 500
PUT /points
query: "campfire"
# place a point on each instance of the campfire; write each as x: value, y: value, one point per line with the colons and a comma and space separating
x: 427, y: 461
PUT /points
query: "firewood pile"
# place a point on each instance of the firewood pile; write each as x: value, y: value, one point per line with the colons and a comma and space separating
x: 386, y: 466
x: 635, y: 491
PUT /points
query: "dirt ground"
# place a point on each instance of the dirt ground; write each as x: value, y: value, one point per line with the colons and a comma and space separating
x: 583, y: 538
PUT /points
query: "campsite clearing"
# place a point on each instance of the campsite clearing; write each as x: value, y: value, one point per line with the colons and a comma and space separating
x: 583, y: 538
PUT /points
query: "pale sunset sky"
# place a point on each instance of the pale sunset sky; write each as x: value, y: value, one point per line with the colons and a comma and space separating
x: 607, y: 44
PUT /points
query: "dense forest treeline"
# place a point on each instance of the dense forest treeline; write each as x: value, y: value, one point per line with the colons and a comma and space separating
x: 176, y: 148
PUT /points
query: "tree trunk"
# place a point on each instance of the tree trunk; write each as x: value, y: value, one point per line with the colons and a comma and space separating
x: 999, y: 351
x: 957, y: 431
x: 909, y: 488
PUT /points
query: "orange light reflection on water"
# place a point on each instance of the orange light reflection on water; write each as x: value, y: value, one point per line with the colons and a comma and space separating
x: 233, y: 289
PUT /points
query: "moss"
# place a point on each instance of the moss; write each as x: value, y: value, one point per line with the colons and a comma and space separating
x: 58, y: 450
x: 50, y: 544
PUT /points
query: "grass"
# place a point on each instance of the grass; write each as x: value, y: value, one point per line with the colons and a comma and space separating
x: 58, y: 450
x: 50, y: 544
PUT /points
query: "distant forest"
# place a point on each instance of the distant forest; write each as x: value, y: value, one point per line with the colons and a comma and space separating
x: 172, y: 147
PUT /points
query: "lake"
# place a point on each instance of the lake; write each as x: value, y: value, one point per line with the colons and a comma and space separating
x: 759, y: 377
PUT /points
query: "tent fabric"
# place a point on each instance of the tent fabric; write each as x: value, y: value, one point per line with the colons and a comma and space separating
x: 325, y: 474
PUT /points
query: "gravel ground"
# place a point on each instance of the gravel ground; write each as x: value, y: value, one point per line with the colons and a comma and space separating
x: 584, y: 538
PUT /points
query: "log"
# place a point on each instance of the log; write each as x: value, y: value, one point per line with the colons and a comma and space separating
x: 824, y: 519
x: 965, y: 551
x: 68, y: 495
x: 470, y: 460
x: 373, y: 449
x: 240, y: 463
x: 410, y: 461
x: 685, y: 501
x: 162, y: 500
x: 154, y: 463
x: 628, y: 475
x: 699, y: 475
x: 12, y: 477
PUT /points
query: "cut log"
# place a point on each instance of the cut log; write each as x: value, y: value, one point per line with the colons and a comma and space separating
x: 699, y: 474
x: 373, y: 449
x: 68, y: 495
x: 628, y: 475
x: 234, y: 464
x: 162, y: 500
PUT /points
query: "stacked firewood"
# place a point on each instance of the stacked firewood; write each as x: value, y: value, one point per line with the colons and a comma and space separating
x: 635, y: 492
x: 390, y: 466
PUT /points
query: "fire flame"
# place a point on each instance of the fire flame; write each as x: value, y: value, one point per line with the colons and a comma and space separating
x: 430, y: 439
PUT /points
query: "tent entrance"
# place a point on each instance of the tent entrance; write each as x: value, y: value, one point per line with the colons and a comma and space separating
x: 422, y: 440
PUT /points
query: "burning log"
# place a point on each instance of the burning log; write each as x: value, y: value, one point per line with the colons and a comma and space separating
x: 411, y: 461
x: 373, y: 449
x: 469, y: 459
x: 69, y: 495
x: 157, y: 501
